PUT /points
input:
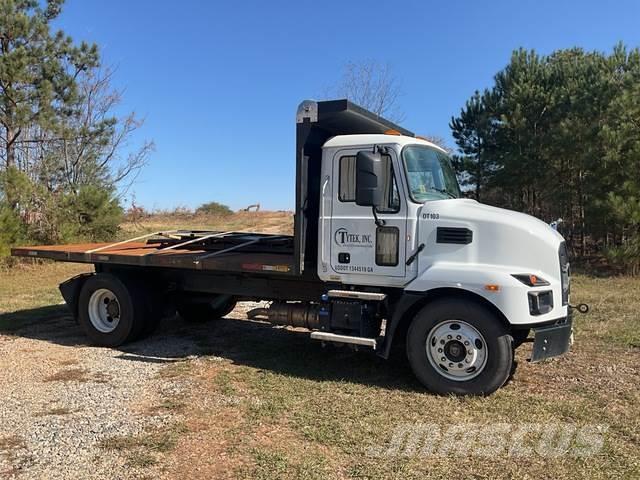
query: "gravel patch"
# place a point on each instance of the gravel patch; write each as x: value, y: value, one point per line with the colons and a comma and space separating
x: 62, y: 400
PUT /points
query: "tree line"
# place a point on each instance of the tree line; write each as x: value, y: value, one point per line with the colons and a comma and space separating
x: 62, y: 166
x: 558, y: 136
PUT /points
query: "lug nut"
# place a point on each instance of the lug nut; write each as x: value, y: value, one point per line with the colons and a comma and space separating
x: 443, y: 359
x: 439, y: 350
x: 451, y: 364
x: 442, y: 342
x: 470, y: 352
x: 458, y: 337
x: 449, y: 337
x: 466, y: 342
x: 459, y: 365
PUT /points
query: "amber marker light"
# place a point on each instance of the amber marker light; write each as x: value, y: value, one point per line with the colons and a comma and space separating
x: 492, y: 288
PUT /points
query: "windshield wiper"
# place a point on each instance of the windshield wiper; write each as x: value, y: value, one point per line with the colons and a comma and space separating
x: 443, y: 191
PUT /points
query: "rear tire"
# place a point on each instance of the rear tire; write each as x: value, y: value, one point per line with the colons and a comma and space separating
x: 204, y: 310
x: 475, y: 344
x: 112, y: 310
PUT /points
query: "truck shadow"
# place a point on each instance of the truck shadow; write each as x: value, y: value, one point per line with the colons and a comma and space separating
x: 244, y: 342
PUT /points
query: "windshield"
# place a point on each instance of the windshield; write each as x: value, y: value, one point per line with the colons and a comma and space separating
x: 429, y: 173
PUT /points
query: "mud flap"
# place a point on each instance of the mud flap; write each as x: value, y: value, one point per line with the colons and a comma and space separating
x: 552, y: 341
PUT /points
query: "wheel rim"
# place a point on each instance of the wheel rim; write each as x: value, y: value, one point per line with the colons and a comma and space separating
x: 456, y: 350
x: 104, y: 310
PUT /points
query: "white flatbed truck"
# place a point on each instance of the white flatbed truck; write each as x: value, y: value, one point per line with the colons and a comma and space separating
x: 385, y: 253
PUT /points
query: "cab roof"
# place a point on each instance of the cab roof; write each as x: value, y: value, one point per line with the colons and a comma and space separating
x: 345, y: 141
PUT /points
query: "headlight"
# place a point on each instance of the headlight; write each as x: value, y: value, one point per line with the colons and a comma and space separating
x: 540, y: 302
x: 531, y: 280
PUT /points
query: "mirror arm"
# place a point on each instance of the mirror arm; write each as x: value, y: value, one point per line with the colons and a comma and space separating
x: 379, y: 223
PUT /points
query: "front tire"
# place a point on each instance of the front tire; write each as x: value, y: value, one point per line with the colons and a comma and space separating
x: 460, y: 347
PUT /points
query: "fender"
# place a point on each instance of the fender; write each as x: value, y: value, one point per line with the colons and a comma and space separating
x: 496, y: 285
x: 410, y: 302
x: 70, y: 291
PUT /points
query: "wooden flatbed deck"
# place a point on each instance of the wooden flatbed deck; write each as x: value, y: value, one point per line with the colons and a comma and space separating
x: 195, y: 250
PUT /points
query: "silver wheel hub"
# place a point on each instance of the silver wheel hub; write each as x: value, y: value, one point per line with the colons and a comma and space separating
x: 104, y: 310
x: 456, y: 350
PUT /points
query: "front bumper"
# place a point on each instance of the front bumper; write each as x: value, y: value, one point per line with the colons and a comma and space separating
x: 552, y: 340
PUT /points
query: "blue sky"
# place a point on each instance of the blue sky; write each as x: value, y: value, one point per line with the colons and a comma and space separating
x: 218, y: 82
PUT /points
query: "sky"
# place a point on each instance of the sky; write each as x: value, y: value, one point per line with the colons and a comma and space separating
x: 218, y: 83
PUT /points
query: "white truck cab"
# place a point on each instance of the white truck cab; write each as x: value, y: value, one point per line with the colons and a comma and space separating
x: 465, y: 283
x: 429, y: 237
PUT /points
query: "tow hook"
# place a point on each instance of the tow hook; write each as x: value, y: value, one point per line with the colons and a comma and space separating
x: 581, y: 308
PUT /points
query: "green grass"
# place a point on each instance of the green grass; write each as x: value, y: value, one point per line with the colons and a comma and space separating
x: 156, y: 441
x: 29, y: 293
x: 295, y: 402
x: 144, y: 449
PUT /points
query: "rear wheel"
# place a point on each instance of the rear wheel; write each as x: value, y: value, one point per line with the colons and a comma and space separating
x: 459, y: 346
x: 200, y: 310
x: 112, y: 310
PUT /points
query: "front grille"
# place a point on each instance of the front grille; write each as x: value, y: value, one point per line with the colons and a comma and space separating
x: 564, y: 273
x: 457, y: 235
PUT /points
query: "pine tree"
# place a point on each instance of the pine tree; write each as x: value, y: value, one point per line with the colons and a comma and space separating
x: 38, y: 69
x: 474, y: 132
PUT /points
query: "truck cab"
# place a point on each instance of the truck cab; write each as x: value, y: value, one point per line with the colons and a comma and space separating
x: 425, y: 236
x: 464, y: 283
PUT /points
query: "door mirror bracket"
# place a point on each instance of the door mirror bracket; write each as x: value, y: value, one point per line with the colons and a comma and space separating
x: 379, y: 222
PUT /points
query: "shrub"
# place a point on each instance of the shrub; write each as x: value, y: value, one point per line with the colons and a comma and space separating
x: 626, y: 256
x: 98, y: 213
x: 214, y: 208
x: 12, y: 230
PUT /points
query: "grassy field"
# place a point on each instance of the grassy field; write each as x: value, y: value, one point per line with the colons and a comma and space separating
x: 267, y: 402
x: 267, y: 222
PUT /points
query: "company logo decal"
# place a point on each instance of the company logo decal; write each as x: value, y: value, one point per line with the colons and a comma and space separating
x: 347, y: 239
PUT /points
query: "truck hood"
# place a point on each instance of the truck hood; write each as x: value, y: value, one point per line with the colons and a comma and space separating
x: 499, y: 237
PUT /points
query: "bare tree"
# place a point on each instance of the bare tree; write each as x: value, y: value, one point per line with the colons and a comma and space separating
x: 439, y: 141
x: 90, y: 145
x: 95, y: 145
x: 372, y: 86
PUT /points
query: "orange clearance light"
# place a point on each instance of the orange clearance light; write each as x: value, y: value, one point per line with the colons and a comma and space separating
x: 392, y: 132
x: 492, y: 288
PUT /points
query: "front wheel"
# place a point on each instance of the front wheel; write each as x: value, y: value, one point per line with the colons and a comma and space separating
x: 460, y: 347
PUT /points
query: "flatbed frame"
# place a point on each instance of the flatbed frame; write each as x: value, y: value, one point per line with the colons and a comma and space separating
x: 184, y: 249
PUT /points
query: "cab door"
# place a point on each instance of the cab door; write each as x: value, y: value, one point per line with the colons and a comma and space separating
x: 361, y: 251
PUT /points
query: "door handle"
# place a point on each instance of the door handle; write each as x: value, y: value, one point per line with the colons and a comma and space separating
x: 414, y: 255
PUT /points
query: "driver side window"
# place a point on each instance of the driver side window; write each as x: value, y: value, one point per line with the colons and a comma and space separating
x: 347, y: 184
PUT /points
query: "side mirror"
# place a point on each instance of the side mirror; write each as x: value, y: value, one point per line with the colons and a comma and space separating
x: 371, y: 178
